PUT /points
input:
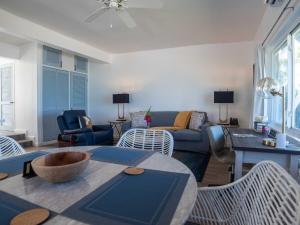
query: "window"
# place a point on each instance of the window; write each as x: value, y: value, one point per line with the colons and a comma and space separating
x: 286, y: 70
x: 296, y: 86
x: 280, y: 73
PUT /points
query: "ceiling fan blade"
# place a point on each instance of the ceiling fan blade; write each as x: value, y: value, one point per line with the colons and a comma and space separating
x: 98, y: 12
x: 126, y: 18
x: 147, y: 4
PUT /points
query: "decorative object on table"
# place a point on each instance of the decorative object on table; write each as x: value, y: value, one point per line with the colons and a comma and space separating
x: 134, y: 171
x: 60, y: 167
x: 3, y: 176
x: 74, y: 134
x: 269, y: 142
x: 9, y: 147
x: 234, y: 121
x: 32, y: 217
x: 223, y: 97
x: 148, y: 117
x: 121, y: 99
x: 266, y: 88
x: 28, y: 171
x: 258, y: 126
x: 266, y: 130
x: 261, y: 119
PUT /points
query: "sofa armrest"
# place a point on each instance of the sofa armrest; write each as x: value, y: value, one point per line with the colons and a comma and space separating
x: 126, y: 126
x: 101, y: 127
x: 77, y: 131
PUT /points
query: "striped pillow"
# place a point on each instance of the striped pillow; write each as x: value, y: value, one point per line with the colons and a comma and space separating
x: 197, y: 120
x: 138, y: 120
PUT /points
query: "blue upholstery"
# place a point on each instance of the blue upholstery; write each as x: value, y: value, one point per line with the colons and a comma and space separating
x: 184, y: 140
x: 163, y: 118
x: 187, y: 135
x: 70, y: 130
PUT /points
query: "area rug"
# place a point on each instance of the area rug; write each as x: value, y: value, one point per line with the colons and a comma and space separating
x: 196, y: 162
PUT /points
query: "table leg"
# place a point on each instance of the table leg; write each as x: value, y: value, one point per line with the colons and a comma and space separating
x: 294, y: 166
x: 238, y: 167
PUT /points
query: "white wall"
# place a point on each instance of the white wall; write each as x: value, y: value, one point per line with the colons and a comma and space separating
x: 175, y: 79
x: 26, y: 90
x: 9, y: 51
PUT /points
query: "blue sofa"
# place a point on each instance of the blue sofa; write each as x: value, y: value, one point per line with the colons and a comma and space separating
x: 71, y: 133
x: 184, y: 140
x: 191, y: 147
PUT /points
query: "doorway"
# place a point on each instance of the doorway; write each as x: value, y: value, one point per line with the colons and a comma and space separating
x: 7, y: 108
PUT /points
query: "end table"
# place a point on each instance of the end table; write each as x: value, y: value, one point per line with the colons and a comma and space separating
x: 117, y: 126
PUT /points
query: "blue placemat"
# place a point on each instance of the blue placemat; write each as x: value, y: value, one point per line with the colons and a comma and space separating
x: 124, y: 156
x: 147, y: 199
x: 10, y: 206
x: 14, y: 165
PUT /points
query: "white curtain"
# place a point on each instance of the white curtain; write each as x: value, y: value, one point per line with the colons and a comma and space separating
x: 258, y: 74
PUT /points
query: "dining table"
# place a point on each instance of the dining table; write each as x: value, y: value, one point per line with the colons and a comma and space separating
x: 103, y: 194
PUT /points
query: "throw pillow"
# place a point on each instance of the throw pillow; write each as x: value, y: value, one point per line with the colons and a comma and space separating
x: 138, y: 120
x: 197, y: 120
x: 182, y: 119
x: 85, y: 122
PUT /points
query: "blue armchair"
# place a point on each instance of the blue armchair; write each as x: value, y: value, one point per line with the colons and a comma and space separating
x: 72, y: 134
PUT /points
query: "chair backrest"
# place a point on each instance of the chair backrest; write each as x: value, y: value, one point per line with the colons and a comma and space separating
x: 9, y: 147
x: 216, y: 139
x: 147, y: 139
x: 268, y: 195
x: 69, y: 120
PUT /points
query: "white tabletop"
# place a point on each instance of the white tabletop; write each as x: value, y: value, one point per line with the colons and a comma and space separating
x: 58, y: 197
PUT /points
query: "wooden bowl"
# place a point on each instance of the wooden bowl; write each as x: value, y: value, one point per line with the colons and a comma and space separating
x: 60, y: 167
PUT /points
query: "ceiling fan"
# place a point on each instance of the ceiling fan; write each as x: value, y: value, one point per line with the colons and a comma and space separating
x: 120, y: 8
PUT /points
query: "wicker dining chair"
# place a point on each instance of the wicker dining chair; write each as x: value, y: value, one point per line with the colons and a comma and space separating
x: 9, y: 147
x: 157, y: 140
x: 267, y: 195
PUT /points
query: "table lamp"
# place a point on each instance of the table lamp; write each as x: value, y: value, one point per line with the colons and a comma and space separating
x: 223, y: 97
x: 120, y: 99
x: 266, y: 88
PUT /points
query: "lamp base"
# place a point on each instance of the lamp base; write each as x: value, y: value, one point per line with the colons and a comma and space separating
x: 121, y: 119
x: 223, y: 121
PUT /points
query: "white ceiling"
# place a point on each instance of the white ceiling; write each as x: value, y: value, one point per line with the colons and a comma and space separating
x: 178, y: 23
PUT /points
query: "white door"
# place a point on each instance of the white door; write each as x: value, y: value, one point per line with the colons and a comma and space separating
x: 7, y: 117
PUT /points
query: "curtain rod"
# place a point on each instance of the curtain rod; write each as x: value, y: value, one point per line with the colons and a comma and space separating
x: 278, y: 19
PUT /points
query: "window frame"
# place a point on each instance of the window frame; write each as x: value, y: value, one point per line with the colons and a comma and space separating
x: 290, y: 126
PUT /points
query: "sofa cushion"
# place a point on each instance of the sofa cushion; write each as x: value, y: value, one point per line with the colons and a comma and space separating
x: 163, y: 118
x: 138, y: 120
x: 186, y: 135
x: 166, y: 128
x: 182, y: 119
x: 197, y: 120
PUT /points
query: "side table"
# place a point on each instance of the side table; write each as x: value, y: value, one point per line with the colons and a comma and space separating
x: 117, y: 126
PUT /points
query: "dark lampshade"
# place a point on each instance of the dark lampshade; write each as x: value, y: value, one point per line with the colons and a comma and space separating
x: 223, y: 97
x: 120, y: 98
